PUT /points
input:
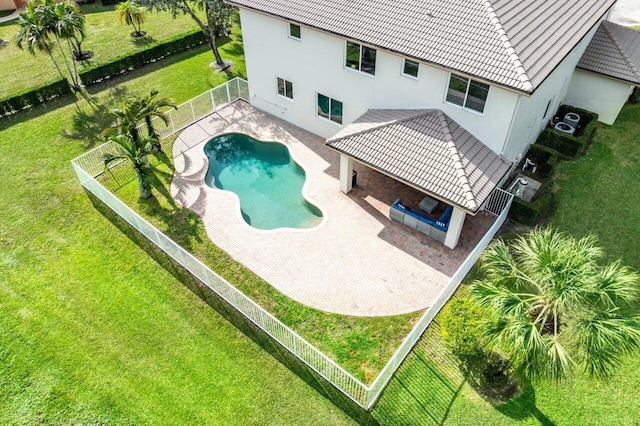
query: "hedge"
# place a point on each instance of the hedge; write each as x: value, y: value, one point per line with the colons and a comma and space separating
x: 529, y: 212
x: 130, y: 61
x: 33, y: 96
x: 97, y: 73
x: 545, y: 159
x: 571, y: 145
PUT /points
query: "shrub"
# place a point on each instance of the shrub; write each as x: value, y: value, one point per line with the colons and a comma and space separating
x: 33, y: 96
x: 460, y: 327
x: 130, y: 61
x: 570, y: 145
x: 528, y: 212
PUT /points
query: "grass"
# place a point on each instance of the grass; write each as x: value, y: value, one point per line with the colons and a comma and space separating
x: 596, y: 194
x: 95, y: 331
x: 106, y: 38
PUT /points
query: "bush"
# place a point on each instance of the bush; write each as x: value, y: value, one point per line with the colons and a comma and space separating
x: 528, y: 212
x: 570, y: 145
x: 635, y: 96
x: 460, y: 322
x: 130, y: 61
x: 33, y: 96
x: 545, y: 158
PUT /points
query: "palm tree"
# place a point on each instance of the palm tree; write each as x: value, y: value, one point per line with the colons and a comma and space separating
x: 33, y: 34
x: 127, y: 119
x: 135, y: 152
x: 132, y: 14
x: 70, y: 26
x: 555, y: 308
x: 151, y: 107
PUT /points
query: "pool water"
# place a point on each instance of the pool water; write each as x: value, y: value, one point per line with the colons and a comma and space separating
x: 265, y: 178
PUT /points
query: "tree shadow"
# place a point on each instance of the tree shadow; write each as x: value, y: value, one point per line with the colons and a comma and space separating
x: 89, y: 126
x: 143, y: 41
x: 524, y: 406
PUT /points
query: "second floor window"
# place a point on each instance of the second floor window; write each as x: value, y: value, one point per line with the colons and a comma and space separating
x: 361, y: 58
x: 467, y: 93
x: 285, y: 88
x: 294, y: 31
x: 410, y: 68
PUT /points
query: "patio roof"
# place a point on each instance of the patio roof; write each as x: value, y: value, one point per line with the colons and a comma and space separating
x: 427, y: 150
x: 614, y: 52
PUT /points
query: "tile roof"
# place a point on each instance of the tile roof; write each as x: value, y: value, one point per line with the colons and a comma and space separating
x: 516, y: 44
x: 614, y: 51
x: 427, y: 150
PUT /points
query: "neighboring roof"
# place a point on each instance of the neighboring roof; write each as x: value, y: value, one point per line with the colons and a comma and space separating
x: 614, y: 52
x: 512, y: 43
x: 427, y: 150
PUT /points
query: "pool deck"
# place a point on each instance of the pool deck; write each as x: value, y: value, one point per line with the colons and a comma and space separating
x: 357, y: 261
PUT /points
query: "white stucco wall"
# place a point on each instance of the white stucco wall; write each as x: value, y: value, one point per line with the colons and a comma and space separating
x: 315, y: 64
x: 599, y: 94
x: 530, y: 119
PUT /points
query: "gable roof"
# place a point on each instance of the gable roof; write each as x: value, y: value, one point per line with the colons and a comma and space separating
x: 425, y: 149
x: 614, y: 52
x: 511, y: 43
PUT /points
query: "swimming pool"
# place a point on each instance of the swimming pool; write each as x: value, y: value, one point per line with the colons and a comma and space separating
x: 265, y: 178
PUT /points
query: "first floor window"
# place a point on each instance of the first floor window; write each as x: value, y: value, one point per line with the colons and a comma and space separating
x: 329, y: 108
x: 294, y: 31
x: 361, y: 58
x: 467, y: 93
x: 285, y: 88
x: 410, y: 68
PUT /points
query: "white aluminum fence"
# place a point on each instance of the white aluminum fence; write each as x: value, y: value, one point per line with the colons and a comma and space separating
x: 89, y: 165
x: 410, y: 341
x: 177, y: 119
x: 288, y: 338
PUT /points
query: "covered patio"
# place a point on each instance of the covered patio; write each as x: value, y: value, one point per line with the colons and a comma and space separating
x: 428, y: 151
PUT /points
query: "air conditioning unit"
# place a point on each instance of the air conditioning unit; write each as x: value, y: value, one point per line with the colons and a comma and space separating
x: 572, y: 119
x: 565, y: 128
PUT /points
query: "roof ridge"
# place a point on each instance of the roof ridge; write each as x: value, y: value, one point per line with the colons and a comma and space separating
x: 457, y: 161
x: 418, y: 113
x: 510, y: 50
x: 619, y: 48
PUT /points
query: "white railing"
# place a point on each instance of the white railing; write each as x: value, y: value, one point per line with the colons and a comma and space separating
x: 410, y: 341
x: 89, y: 165
x: 497, y: 201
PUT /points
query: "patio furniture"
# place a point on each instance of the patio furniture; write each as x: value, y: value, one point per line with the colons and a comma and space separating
x: 428, y: 204
x: 415, y: 219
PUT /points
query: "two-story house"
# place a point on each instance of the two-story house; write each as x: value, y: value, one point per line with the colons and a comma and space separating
x: 482, y: 78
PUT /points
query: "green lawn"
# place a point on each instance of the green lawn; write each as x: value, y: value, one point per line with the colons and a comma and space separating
x: 596, y: 194
x: 92, y: 329
x: 106, y: 37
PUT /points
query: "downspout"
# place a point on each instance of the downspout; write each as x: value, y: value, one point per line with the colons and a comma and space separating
x: 513, y: 117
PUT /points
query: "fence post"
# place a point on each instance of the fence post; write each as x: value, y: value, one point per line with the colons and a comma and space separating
x: 228, y: 94
x: 238, y: 86
x: 213, y: 102
x: 193, y: 112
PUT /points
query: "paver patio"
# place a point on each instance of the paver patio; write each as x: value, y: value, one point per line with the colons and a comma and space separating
x: 357, y: 261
